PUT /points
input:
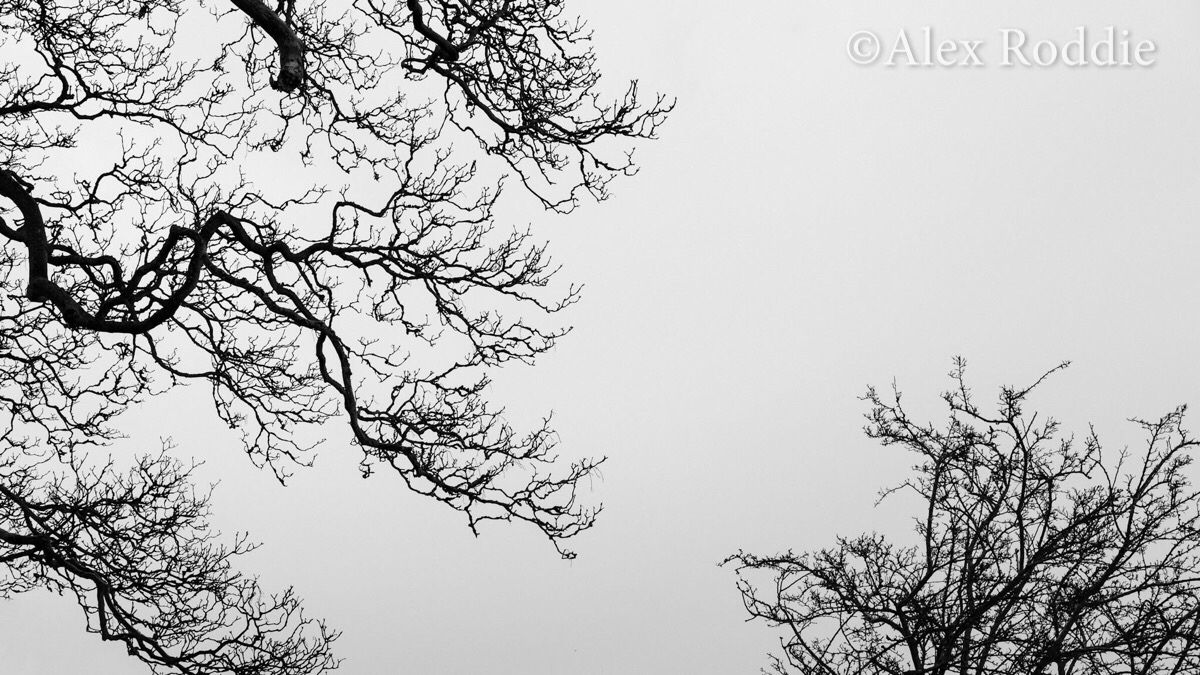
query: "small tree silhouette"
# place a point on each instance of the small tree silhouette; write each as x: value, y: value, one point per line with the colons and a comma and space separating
x: 1035, y: 554
x: 165, y: 218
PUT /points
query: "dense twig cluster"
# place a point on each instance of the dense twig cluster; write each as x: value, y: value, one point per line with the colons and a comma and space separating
x: 145, y: 244
x: 1035, y: 554
x: 135, y: 551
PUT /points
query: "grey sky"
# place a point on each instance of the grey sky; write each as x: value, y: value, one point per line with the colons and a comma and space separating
x: 805, y: 227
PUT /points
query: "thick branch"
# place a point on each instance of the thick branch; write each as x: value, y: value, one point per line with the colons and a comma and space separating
x: 291, y: 48
x: 445, y: 49
x: 42, y: 289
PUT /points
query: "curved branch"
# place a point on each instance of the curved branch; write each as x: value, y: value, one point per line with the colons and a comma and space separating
x: 42, y: 289
x: 291, y: 47
x: 445, y: 49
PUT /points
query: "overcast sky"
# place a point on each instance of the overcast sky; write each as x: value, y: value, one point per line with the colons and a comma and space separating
x: 805, y: 227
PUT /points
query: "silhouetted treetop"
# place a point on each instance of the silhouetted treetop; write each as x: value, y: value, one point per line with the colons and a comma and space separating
x: 1035, y: 552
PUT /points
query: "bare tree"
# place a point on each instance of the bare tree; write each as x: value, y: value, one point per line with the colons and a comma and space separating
x: 1035, y: 553
x: 166, y: 217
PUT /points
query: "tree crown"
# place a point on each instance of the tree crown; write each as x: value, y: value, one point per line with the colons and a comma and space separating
x: 1035, y: 553
x: 295, y: 204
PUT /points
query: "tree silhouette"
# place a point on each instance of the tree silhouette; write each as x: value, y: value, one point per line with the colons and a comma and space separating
x: 167, y: 218
x: 1035, y: 553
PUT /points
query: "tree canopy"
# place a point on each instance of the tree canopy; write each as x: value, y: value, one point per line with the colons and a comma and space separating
x: 1035, y: 552
x: 296, y: 205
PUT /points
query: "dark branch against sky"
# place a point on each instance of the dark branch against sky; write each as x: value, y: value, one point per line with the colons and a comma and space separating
x: 383, y: 304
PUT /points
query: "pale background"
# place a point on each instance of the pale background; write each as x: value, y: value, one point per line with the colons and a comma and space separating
x: 805, y: 227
